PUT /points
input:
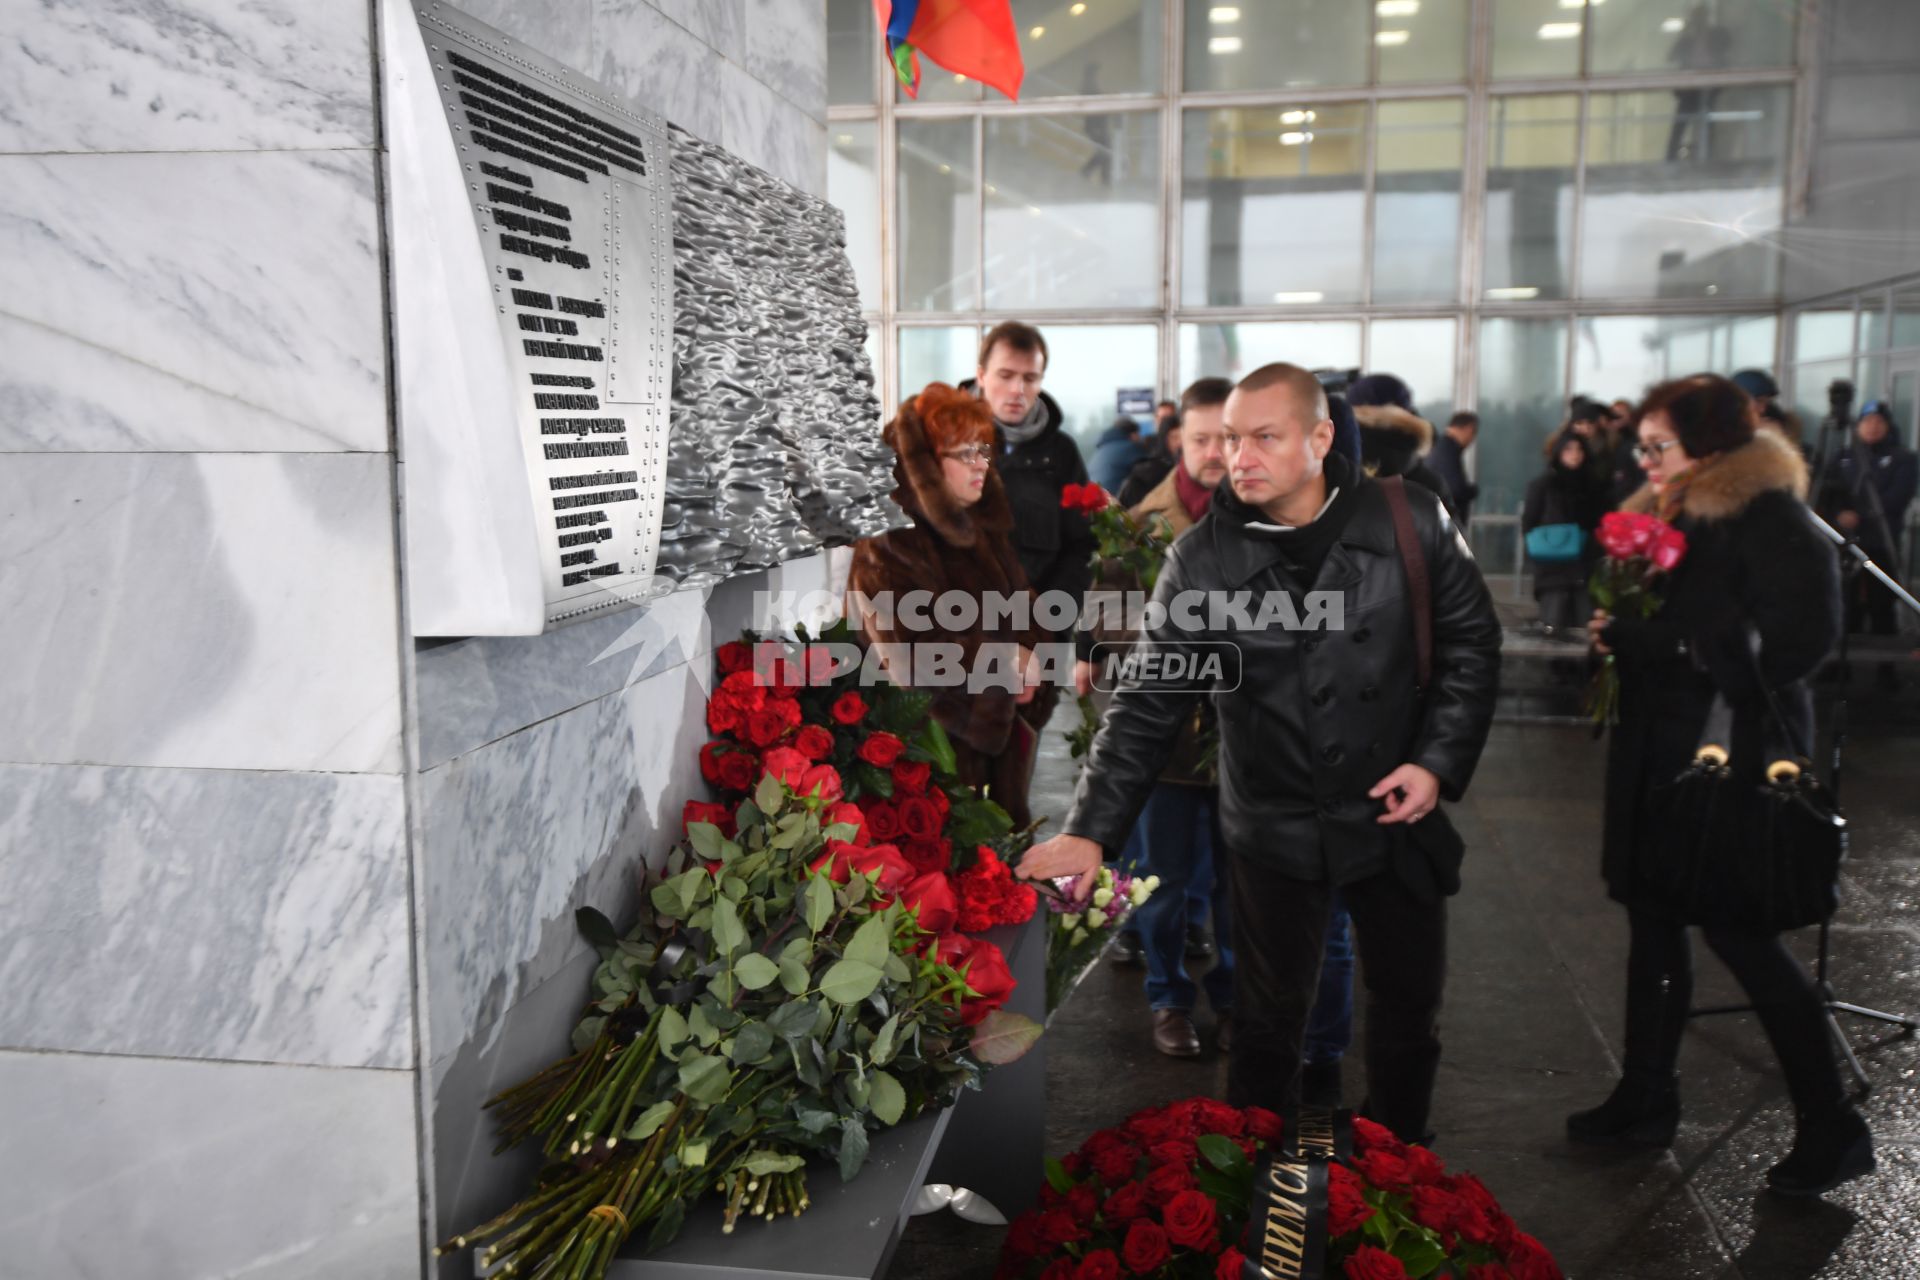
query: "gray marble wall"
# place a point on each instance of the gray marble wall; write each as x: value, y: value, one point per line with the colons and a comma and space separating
x: 280, y: 897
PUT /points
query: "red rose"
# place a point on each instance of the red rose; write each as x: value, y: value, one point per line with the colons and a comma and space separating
x: 848, y: 708
x: 1489, y: 1271
x: 1528, y: 1259
x: 882, y: 861
x: 1070, y: 497
x: 911, y: 776
x: 1023, y: 1238
x: 1145, y: 1249
x: 710, y: 754
x: 787, y: 765
x: 815, y: 742
x: 1230, y: 1264
x: 1059, y: 1269
x: 819, y: 666
x: 822, y: 780
x: 881, y: 749
x: 1423, y: 1167
x: 1387, y: 1170
x: 1369, y: 1263
x: 932, y: 897
x: 849, y: 814
x: 1626, y: 534
x: 928, y: 856
x: 882, y: 820
x: 1101, y: 1264
x: 699, y: 811
x: 918, y: 818
x: 1436, y: 1208
x: 940, y: 801
x: 1218, y: 1117
x: 1191, y: 1219
x: 772, y: 722
x: 733, y: 656
x: 1367, y: 1135
x: 1668, y: 549
x: 1174, y: 1151
x: 1264, y: 1124
x: 1129, y: 1202
x: 1082, y: 1201
x: 1347, y: 1209
x: 985, y: 970
x: 1168, y: 1181
x: 739, y: 770
x: 1057, y: 1226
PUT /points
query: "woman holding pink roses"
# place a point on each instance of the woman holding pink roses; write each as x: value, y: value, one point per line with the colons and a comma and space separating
x: 959, y: 544
x: 1742, y: 563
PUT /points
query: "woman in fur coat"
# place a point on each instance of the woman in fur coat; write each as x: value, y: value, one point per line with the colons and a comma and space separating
x: 1754, y: 566
x: 960, y: 541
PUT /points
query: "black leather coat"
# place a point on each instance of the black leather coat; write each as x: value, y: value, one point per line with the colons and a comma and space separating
x: 1319, y: 716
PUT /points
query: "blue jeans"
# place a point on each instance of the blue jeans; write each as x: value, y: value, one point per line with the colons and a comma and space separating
x: 1176, y: 838
x: 1330, y: 1025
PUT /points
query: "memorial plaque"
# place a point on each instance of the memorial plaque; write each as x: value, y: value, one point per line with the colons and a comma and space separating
x: 571, y: 200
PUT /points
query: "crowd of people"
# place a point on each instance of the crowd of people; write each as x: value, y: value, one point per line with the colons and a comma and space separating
x: 1297, y: 804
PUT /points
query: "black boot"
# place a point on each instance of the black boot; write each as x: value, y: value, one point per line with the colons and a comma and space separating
x: 1642, y: 1110
x: 1827, y: 1150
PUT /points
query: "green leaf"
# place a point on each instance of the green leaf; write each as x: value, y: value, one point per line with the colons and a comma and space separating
x: 872, y: 942
x: 813, y: 1120
x: 849, y: 981
x: 769, y: 795
x: 672, y: 1028
x: 706, y: 840
x: 702, y: 1026
x: 819, y: 903
x: 1057, y: 1176
x: 873, y: 778
x: 1222, y: 1153
x: 761, y: 1163
x: 793, y: 1021
x: 883, y: 1042
x: 704, y: 1078
x: 729, y: 935
x: 1002, y: 1037
x: 889, y: 1100
x: 1419, y: 1256
x: 586, y: 1032
x: 596, y: 929
x: 933, y: 738
x: 650, y: 1121
x: 752, y: 1043
x: 853, y: 1147
x: 673, y: 1214
x: 755, y: 971
x: 794, y: 978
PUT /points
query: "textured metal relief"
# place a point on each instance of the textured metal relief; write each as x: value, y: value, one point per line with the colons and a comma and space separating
x: 774, y: 448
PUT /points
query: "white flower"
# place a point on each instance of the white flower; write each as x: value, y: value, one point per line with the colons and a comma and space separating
x: 1152, y: 883
x: 1070, y: 921
x: 1139, y: 893
x: 1096, y: 919
x: 1102, y: 897
x: 1079, y: 936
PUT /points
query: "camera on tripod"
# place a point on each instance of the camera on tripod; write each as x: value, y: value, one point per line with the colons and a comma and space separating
x: 1840, y: 402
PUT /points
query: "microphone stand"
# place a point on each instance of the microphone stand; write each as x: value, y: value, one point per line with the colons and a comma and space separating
x: 1831, y: 1004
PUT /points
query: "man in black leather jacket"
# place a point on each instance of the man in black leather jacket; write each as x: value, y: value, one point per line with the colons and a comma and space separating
x: 1332, y: 758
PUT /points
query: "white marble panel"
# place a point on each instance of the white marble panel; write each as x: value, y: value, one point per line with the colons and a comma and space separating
x: 521, y: 832
x: 650, y: 60
x: 185, y: 75
x: 561, y: 29
x: 206, y: 610
x: 766, y: 130
x: 720, y: 23
x: 134, y: 1167
x: 203, y: 913
x: 252, y: 276
x: 787, y: 49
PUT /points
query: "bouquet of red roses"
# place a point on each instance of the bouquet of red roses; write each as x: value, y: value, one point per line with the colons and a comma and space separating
x: 781, y: 709
x: 1168, y: 1194
x: 1137, y: 546
x: 1640, y: 551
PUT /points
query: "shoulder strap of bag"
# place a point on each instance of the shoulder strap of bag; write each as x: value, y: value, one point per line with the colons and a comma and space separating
x: 1719, y: 726
x: 1419, y: 586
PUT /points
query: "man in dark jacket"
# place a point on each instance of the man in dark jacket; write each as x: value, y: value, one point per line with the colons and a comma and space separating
x: 1114, y: 454
x: 1449, y: 461
x: 1332, y: 758
x: 1036, y: 461
x: 1876, y: 482
x: 1394, y: 440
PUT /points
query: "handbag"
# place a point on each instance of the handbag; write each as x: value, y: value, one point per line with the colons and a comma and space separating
x: 1556, y: 543
x: 1743, y: 846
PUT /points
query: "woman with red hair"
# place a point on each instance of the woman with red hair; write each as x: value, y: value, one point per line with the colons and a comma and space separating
x: 959, y: 546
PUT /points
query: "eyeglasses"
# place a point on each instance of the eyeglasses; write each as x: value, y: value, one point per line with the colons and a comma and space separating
x: 971, y: 455
x: 1651, y: 452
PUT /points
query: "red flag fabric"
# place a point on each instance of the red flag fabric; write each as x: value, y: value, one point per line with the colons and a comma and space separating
x: 973, y: 38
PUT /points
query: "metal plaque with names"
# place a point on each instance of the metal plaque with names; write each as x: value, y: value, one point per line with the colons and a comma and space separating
x: 571, y: 194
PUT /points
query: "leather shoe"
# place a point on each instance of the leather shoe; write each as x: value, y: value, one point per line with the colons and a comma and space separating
x: 1223, y: 1032
x: 1173, y: 1034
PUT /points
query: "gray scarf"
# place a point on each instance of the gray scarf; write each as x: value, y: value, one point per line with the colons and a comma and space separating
x: 1028, y: 429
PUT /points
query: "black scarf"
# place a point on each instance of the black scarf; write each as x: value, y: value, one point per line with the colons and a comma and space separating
x: 1305, y: 548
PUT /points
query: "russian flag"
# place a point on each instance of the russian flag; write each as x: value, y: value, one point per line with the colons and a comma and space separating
x: 969, y: 37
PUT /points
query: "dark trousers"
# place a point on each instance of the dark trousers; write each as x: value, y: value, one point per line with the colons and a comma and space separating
x: 1280, y: 931
x: 1660, y: 991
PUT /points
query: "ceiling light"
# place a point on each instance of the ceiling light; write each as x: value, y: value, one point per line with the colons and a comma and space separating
x: 1034, y: 209
x: 1397, y: 8
x: 1673, y: 26
x: 1294, y: 138
x: 1224, y: 44
x: 1560, y: 31
x: 1513, y: 293
x: 1581, y: 4
x: 992, y: 190
x: 946, y: 168
x: 1391, y: 37
x: 1297, y: 117
x: 1077, y: 10
x: 1305, y: 295
x: 846, y: 139
x: 1036, y: 33
x: 1223, y: 14
x: 958, y: 78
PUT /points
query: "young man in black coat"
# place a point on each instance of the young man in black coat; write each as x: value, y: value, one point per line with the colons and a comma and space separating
x: 1332, y: 759
x: 1036, y: 460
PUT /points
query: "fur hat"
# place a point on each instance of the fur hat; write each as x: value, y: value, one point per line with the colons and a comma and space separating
x: 1380, y: 389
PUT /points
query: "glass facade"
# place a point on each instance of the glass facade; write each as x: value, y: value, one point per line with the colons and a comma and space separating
x: 1503, y: 201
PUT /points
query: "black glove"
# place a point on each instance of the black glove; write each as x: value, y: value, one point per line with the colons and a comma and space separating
x: 1641, y: 640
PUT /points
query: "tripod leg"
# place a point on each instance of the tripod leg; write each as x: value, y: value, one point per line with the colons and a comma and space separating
x: 1863, y: 1082
x: 1907, y: 1025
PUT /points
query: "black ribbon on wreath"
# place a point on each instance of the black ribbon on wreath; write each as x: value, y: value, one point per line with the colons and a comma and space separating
x: 1286, y: 1235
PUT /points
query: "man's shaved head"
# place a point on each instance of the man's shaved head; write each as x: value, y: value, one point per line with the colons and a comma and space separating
x: 1305, y: 389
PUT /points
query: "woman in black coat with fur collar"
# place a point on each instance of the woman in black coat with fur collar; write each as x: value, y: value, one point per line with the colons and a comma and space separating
x: 1754, y: 565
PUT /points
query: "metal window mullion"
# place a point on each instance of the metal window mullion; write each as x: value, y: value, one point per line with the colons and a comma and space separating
x: 979, y: 214
x: 1575, y: 232
x: 1172, y: 190
x: 893, y: 262
x: 1369, y: 158
x: 1473, y: 208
